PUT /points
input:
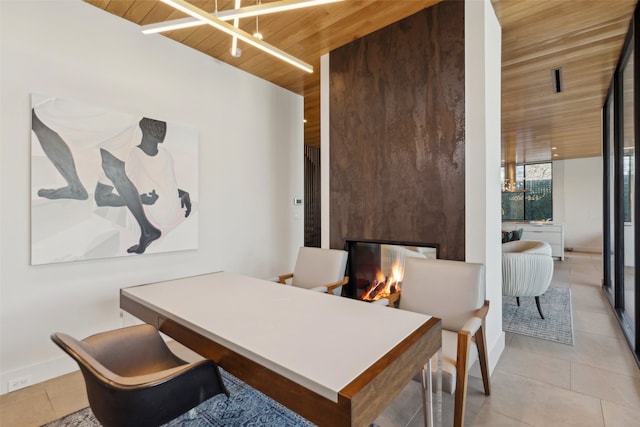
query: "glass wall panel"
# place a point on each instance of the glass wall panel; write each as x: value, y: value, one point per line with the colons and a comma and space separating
x: 628, y: 187
x: 611, y: 193
x: 622, y: 208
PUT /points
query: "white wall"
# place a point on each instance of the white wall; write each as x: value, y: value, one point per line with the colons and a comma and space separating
x: 483, y: 37
x: 577, y: 202
x: 250, y: 169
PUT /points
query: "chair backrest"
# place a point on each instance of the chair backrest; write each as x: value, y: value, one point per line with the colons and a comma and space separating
x: 317, y: 267
x: 396, y: 254
x: 108, y: 356
x: 527, y: 246
x: 449, y: 290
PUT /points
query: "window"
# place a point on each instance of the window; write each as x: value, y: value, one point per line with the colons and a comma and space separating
x: 530, y: 199
x: 627, y: 184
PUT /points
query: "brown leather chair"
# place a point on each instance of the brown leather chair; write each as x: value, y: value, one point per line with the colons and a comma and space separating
x: 133, y: 379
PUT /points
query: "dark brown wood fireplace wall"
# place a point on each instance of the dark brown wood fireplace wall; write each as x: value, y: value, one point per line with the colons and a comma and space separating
x: 397, y: 133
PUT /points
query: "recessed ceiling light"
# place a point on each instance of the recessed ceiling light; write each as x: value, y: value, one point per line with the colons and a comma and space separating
x: 556, y: 75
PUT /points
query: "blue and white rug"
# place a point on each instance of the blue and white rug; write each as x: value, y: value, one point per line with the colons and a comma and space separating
x: 245, y: 407
x: 557, y: 325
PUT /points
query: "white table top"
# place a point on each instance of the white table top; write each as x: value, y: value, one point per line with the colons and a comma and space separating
x: 320, y: 341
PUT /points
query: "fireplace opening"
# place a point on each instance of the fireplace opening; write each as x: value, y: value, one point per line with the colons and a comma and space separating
x: 376, y: 267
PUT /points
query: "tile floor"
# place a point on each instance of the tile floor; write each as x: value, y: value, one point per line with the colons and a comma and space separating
x: 538, y: 383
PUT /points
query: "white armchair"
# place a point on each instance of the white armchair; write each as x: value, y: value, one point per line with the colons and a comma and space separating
x: 527, y: 268
x: 453, y: 291
x: 320, y: 270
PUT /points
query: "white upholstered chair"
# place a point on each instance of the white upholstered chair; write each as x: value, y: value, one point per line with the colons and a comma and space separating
x: 527, y: 269
x: 318, y: 269
x: 453, y: 291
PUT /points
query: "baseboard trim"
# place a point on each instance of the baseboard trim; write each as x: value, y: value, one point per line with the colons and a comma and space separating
x: 588, y: 249
x: 40, y: 372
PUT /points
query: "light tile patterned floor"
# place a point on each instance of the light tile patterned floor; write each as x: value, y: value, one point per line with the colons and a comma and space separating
x: 538, y: 383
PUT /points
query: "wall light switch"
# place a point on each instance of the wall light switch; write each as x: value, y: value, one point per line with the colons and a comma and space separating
x: 297, y: 202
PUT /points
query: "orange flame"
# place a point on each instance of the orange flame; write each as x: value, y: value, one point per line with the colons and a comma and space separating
x: 383, y: 286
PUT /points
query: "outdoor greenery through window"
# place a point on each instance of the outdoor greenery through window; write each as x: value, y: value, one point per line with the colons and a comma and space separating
x: 530, y: 199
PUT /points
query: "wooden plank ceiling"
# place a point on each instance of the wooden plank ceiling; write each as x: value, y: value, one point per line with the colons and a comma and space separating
x: 584, y: 37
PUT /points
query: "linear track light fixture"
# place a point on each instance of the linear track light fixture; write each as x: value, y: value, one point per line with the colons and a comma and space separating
x: 230, y: 15
x: 235, y: 51
x: 225, y: 27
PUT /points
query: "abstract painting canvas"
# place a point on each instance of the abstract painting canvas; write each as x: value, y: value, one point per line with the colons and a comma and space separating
x: 108, y: 184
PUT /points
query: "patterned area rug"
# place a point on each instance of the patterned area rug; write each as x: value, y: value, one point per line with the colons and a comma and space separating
x: 245, y: 407
x: 524, y: 320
